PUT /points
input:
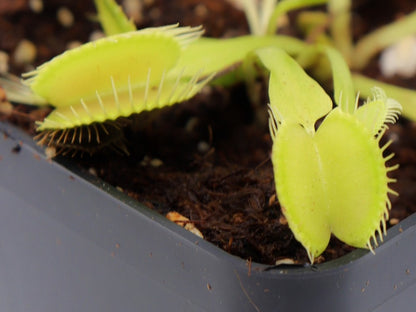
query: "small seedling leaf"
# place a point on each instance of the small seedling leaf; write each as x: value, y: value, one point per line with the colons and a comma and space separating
x: 344, y: 94
x: 334, y: 181
x: 112, y: 18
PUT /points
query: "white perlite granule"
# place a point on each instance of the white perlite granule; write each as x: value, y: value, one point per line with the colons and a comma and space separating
x: 4, y: 62
x: 25, y: 52
x: 65, y: 17
x: 134, y: 10
x: 399, y: 59
x: 36, y: 5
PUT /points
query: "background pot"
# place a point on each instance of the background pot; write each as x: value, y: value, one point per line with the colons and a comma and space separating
x: 69, y: 242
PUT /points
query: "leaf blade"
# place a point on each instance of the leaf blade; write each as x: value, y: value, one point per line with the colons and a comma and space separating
x: 112, y: 18
x: 300, y: 187
x: 356, y: 177
x: 293, y: 94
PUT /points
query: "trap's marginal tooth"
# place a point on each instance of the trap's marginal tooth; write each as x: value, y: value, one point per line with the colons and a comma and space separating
x: 84, y: 139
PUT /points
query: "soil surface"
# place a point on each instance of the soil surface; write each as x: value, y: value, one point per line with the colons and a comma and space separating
x: 207, y: 158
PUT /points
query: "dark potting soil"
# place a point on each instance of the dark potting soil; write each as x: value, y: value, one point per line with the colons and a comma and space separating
x: 207, y: 158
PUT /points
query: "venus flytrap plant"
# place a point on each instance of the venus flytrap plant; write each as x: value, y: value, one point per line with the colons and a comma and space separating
x: 155, y: 67
x: 184, y: 67
x: 156, y: 79
x: 138, y: 81
x: 107, y: 90
x: 317, y: 170
x: 138, y: 78
x: 332, y: 179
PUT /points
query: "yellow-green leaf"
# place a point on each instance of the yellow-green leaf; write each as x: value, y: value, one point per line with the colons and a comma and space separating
x: 210, y: 55
x: 112, y: 18
x: 334, y: 181
x: 355, y: 178
x: 82, y: 72
x: 344, y: 94
x: 378, y: 111
x: 294, y: 96
x: 300, y: 185
x: 123, y: 101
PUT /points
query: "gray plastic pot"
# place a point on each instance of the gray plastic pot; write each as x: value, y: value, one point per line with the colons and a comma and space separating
x: 69, y: 242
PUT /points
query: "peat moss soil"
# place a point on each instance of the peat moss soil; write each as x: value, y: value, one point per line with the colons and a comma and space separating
x: 207, y: 158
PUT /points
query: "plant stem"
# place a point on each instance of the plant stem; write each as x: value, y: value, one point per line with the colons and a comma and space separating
x: 314, y: 24
x: 344, y: 94
x: 285, y: 6
x: 216, y: 55
x: 252, y: 15
x: 341, y: 26
x: 406, y: 97
x: 265, y: 14
x: 381, y: 38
